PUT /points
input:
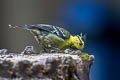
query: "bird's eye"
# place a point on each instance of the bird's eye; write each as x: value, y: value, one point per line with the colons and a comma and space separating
x: 81, y: 43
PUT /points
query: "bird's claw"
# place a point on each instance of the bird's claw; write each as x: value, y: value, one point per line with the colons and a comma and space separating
x: 72, y: 51
x: 67, y: 51
x: 54, y: 50
x: 78, y: 51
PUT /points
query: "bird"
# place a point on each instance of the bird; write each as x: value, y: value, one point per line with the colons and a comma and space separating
x: 54, y: 38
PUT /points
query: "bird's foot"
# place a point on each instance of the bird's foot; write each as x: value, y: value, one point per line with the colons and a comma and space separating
x: 54, y: 50
x: 78, y: 51
x: 72, y: 51
x: 68, y: 51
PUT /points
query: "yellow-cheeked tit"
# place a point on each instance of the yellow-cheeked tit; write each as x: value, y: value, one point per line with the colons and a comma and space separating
x: 55, y: 37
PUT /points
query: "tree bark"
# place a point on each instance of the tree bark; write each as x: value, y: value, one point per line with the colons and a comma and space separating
x: 31, y: 65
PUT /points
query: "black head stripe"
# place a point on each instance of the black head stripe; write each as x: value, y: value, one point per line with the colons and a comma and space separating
x: 78, y: 37
x: 80, y: 40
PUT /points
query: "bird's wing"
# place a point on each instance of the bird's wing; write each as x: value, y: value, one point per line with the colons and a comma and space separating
x: 59, y: 31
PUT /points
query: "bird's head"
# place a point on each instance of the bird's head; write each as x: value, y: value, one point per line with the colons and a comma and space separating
x: 79, y: 41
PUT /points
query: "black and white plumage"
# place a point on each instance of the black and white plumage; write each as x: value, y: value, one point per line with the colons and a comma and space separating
x: 59, y: 31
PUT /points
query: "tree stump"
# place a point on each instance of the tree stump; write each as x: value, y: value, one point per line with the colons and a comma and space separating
x: 30, y: 65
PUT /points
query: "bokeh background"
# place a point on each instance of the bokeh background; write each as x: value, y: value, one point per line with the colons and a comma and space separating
x: 100, y: 19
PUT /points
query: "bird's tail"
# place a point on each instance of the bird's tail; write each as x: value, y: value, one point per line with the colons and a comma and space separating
x: 14, y: 26
x: 27, y: 27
